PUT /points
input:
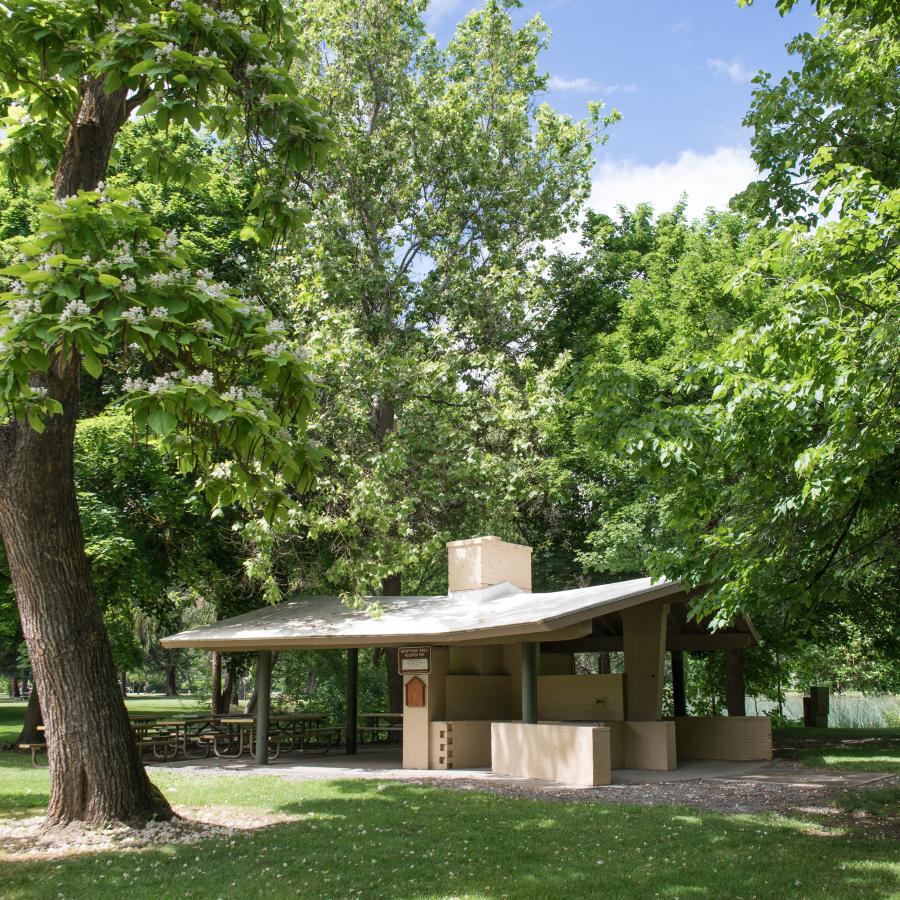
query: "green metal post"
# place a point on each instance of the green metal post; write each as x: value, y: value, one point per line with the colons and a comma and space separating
x: 263, y: 698
x: 352, y: 698
x: 529, y: 682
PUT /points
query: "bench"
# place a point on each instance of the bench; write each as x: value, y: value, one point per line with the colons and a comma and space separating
x: 35, y: 749
x: 329, y: 735
x: 374, y: 730
x: 154, y: 743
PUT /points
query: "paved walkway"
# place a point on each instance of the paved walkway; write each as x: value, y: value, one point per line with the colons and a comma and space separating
x: 387, y: 764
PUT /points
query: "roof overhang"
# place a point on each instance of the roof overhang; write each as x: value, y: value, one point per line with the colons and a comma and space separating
x: 501, y: 613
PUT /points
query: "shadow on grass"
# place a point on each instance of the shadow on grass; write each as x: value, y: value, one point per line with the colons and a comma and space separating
x: 404, y: 841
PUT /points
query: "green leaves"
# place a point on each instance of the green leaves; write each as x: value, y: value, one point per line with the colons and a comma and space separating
x: 227, y: 382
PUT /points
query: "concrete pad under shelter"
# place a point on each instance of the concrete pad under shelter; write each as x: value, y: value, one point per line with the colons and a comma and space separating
x: 387, y: 764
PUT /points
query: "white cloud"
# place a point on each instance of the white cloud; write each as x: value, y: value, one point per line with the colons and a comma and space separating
x: 588, y: 85
x: 708, y: 180
x: 734, y: 69
x: 680, y: 28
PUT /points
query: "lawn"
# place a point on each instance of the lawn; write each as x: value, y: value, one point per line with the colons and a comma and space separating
x: 364, y: 838
x: 855, y: 749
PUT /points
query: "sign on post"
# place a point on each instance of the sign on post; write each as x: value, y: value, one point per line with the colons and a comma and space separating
x: 414, y: 660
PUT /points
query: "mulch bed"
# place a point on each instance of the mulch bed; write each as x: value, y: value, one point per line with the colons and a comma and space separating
x: 730, y: 796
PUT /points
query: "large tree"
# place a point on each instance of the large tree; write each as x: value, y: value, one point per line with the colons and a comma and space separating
x: 420, y: 279
x: 843, y: 96
x: 222, y: 386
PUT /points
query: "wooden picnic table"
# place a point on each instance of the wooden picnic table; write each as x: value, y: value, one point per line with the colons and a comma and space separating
x: 374, y: 724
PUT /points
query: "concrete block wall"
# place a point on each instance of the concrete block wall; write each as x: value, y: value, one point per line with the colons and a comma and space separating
x: 567, y: 754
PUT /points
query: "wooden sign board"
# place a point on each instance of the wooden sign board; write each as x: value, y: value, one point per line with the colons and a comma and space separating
x: 415, y: 691
x: 414, y: 660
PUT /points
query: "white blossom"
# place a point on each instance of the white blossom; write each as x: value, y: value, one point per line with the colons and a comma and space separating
x: 234, y: 394
x: 274, y: 325
x: 74, y: 308
x: 204, y: 378
x: 135, y: 384
x: 128, y: 285
x: 22, y: 309
x: 204, y: 325
x: 159, y: 312
x: 122, y: 255
x: 275, y: 348
x: 38, y: 391
x: 160, y: 383
x: 134, y: 315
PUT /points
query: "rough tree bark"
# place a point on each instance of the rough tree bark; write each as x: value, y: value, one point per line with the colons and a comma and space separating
x: 228, y: 691
x: 216, y: 683
x: 171, y: 683
x: 96, y: 772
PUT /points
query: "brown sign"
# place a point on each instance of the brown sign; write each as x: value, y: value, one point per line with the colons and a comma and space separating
x: 414, y: 660
x: 415, y: 691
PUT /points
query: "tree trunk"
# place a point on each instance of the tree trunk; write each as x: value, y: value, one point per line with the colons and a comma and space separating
x: 603, y: 664
x: 216, y: 683
x: 33, y: 718
x: 391, y: 587
x: 171, y: 683
x: 123, y: 680
x: 96, y: 772
x: 228, y: 690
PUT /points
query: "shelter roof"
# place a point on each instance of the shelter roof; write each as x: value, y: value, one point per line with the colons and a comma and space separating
x: 498, y: 613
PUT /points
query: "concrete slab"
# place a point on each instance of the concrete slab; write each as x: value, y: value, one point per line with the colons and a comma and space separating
x: 688, y: 771
x: 812, y: 777
x: 386, y: 764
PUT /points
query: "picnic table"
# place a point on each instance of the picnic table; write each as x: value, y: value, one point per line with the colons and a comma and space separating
x: 372, y: 725
x: 240, y: 737
x: 295, y: 729
x: 189, y: 734
x: 35, y: 748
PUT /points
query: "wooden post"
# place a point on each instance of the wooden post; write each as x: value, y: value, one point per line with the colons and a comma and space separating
x: 263, y: 699
x: 529, y: 682
x: 735, y: 699
x: 678, y: 696
x: 352, y: 698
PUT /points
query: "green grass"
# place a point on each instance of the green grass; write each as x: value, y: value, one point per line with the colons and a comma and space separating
x: 12, y: 712
x: 397, y: 840
x: 403, y: 841
x: 853, y: 749
x: 864, y: 758
x: 837, y: 734
x: 879, y: 802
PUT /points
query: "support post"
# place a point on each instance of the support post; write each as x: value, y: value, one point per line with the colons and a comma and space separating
x: 529, y: 682
x: 678, y: 695
x: 263, y: 699
x: 735, y: 699
x: 352, y: 698
x: 644, y: 641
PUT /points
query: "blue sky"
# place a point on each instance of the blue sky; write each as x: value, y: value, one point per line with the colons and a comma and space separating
x: 679, y: 72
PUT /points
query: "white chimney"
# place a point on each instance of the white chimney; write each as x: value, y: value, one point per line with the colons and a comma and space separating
x: 483, y: 561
